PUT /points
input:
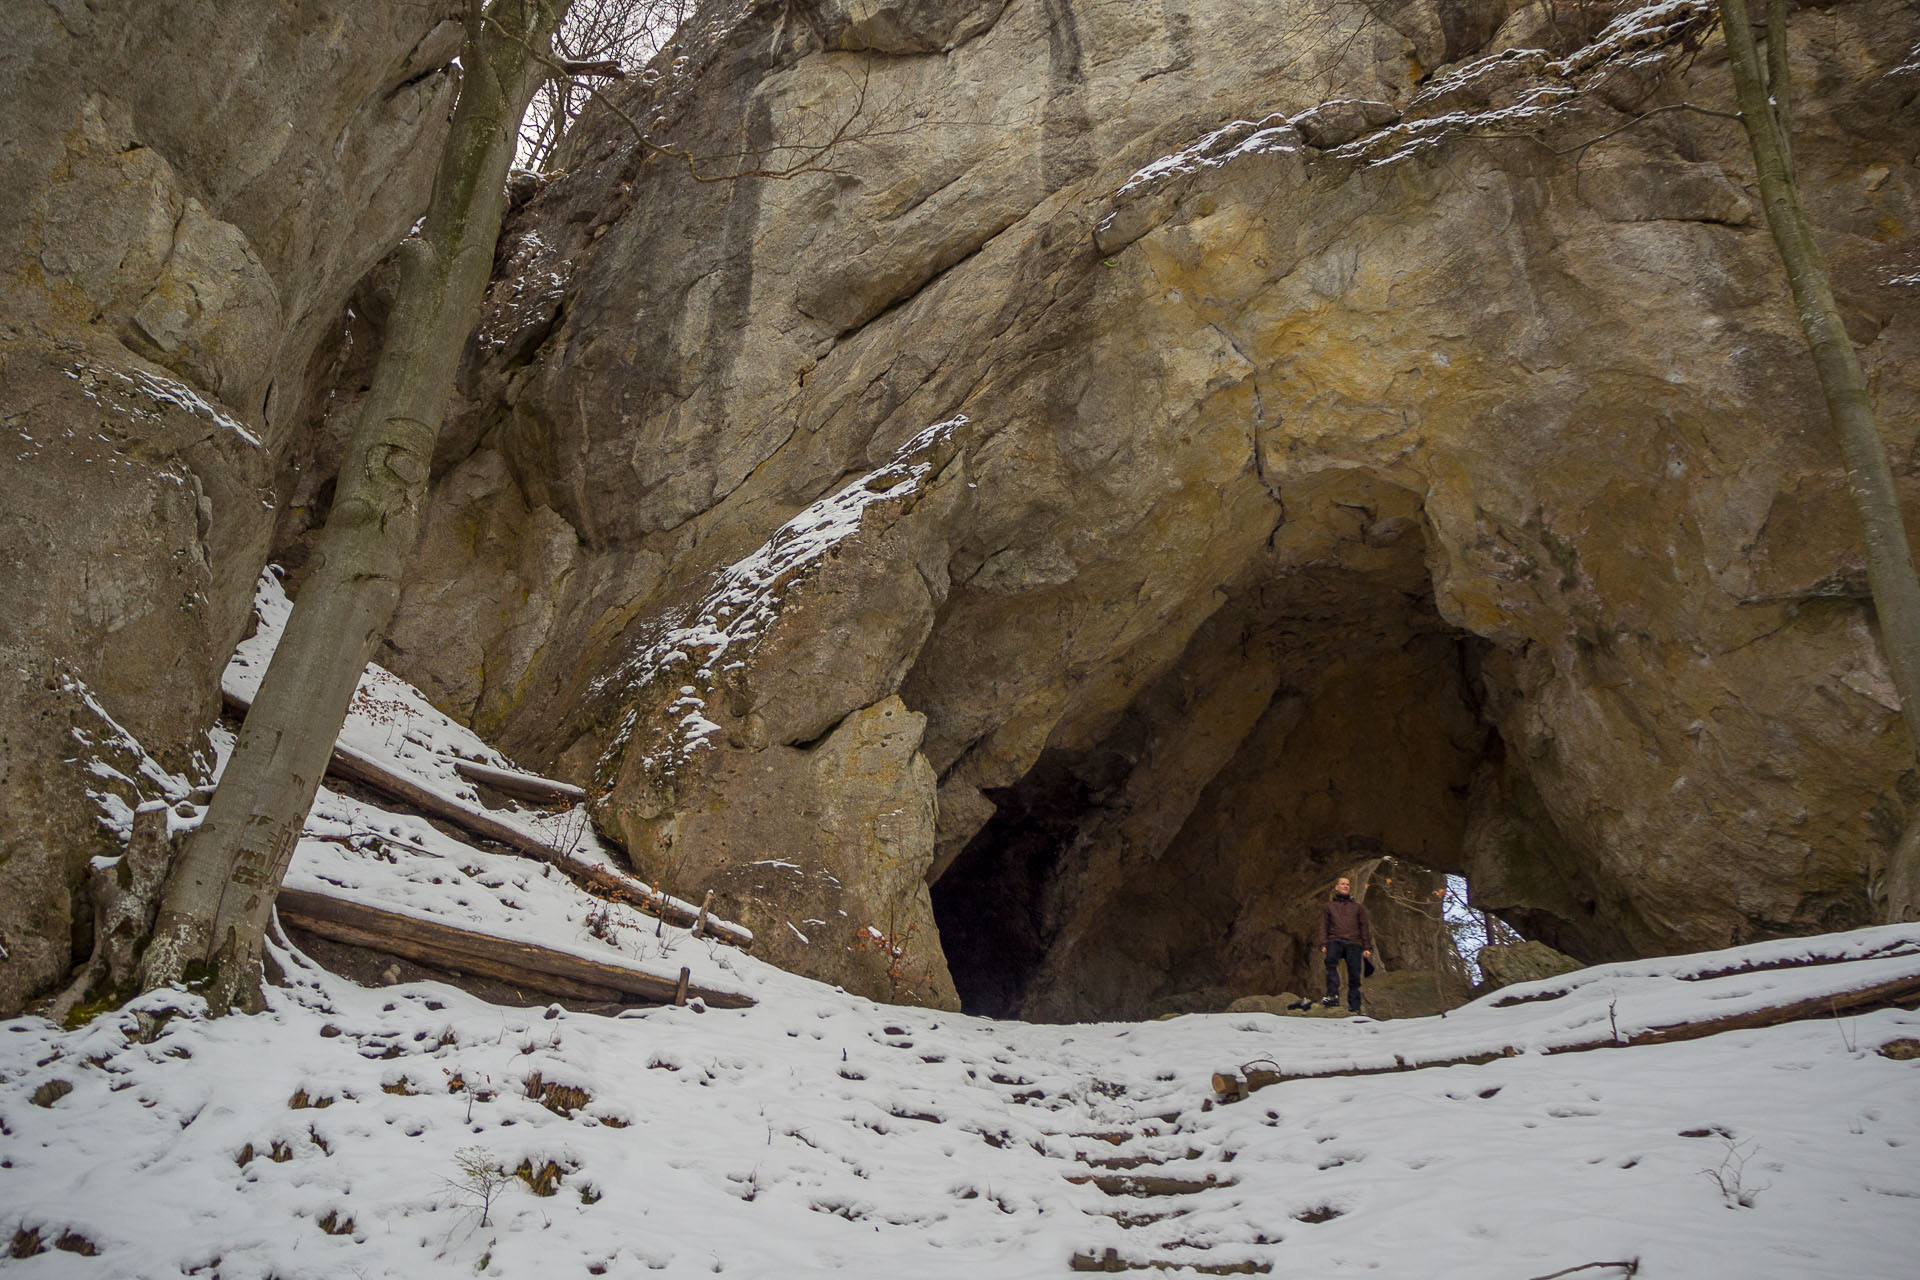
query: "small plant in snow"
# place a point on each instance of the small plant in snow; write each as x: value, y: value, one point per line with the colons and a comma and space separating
x: 481, y: 1178
x: 457, y: 1082
x: 599, y: 922
x: 573, y: 831
x: 1847, y: 1035
x: 1730, y: 1176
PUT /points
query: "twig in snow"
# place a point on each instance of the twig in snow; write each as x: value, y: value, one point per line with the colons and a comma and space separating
x: 1630, y: 1267
x: 1850, y: 1041
x: 1730, y: 1176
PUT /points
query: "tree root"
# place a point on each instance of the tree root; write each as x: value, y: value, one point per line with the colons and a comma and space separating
x: 125, y: 892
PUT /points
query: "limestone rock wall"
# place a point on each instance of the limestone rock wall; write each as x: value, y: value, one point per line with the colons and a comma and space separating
x: 192, y: 188
x: 1011, y: 494
x: 1364, y: 430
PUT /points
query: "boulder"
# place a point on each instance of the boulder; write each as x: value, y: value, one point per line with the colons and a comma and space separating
x: 1509, y: 963
x: 822, y: 852
x: 1412, y: 993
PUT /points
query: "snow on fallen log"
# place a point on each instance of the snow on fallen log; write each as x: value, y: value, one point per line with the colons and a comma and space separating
x: 520, y: 785
x: 1657, y: 1002
x: 524, y: 964
x: 355, y: 765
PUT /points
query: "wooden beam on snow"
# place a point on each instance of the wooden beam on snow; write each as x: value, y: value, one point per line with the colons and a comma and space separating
x: 524, y: 964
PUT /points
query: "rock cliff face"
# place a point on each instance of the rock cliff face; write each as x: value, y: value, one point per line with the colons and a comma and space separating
x: 1171, y: 452
x: 192, y: 190
x: 1140, y: 459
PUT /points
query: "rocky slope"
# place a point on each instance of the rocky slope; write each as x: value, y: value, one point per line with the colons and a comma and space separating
x: 1169, y: 455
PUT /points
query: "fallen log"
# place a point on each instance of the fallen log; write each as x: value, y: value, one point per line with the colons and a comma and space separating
x: 367, y: 771
x: 603, y: 881
x: 523, y: 964
x: 1903, y: 991
x: 1895, y: 991
x: 1897, y: 947
x: 516, y: 783
x: 533, y: 988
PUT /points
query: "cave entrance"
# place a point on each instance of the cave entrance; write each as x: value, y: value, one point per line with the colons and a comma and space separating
x: 1324, y: 717
x: 1424, y: 921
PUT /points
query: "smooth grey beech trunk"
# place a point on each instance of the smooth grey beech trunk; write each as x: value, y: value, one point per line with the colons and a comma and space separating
x: 1762, y: 91
x: 219, y: 896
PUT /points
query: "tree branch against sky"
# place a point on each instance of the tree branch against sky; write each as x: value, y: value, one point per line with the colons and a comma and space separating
x: 622, y: 32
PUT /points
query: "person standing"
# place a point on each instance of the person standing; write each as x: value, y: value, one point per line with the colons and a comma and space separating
x: 1345, y: 933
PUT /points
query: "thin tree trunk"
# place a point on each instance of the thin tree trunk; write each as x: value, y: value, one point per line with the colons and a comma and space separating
x: 218, y: 898
x: 1780, y: 79
x: 1763, y: 94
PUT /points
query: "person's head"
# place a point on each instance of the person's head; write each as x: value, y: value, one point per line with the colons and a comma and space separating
x: 1343, y: 886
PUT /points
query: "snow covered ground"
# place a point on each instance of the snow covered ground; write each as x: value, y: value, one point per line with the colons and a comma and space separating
x: 350, y: 1132
x: 353, y: 1132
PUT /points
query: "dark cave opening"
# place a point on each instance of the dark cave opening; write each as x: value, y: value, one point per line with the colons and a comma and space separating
x: 990, y: 905
x: 1325, y: 719
x: 1036, y: 925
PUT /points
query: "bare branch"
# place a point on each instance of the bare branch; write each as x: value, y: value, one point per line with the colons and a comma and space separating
x: 811, y: 156
x: 1631, y: 1267
x: 599, y: 38
x: 608, y: 67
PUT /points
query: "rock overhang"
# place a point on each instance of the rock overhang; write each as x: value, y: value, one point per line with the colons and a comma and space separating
x: 1559, y: 381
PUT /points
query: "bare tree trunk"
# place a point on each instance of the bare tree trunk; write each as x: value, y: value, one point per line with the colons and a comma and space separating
x: 220, y: 894
x: 1762, y: 91
x: 1780, y: 79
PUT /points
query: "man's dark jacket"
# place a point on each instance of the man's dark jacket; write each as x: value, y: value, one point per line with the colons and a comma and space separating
x: 1344, y: 920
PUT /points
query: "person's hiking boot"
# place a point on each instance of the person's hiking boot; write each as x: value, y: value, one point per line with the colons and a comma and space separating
x: 1330, y: 1001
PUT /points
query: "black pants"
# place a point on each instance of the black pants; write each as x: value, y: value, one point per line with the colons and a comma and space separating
x: 1337, y: 948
